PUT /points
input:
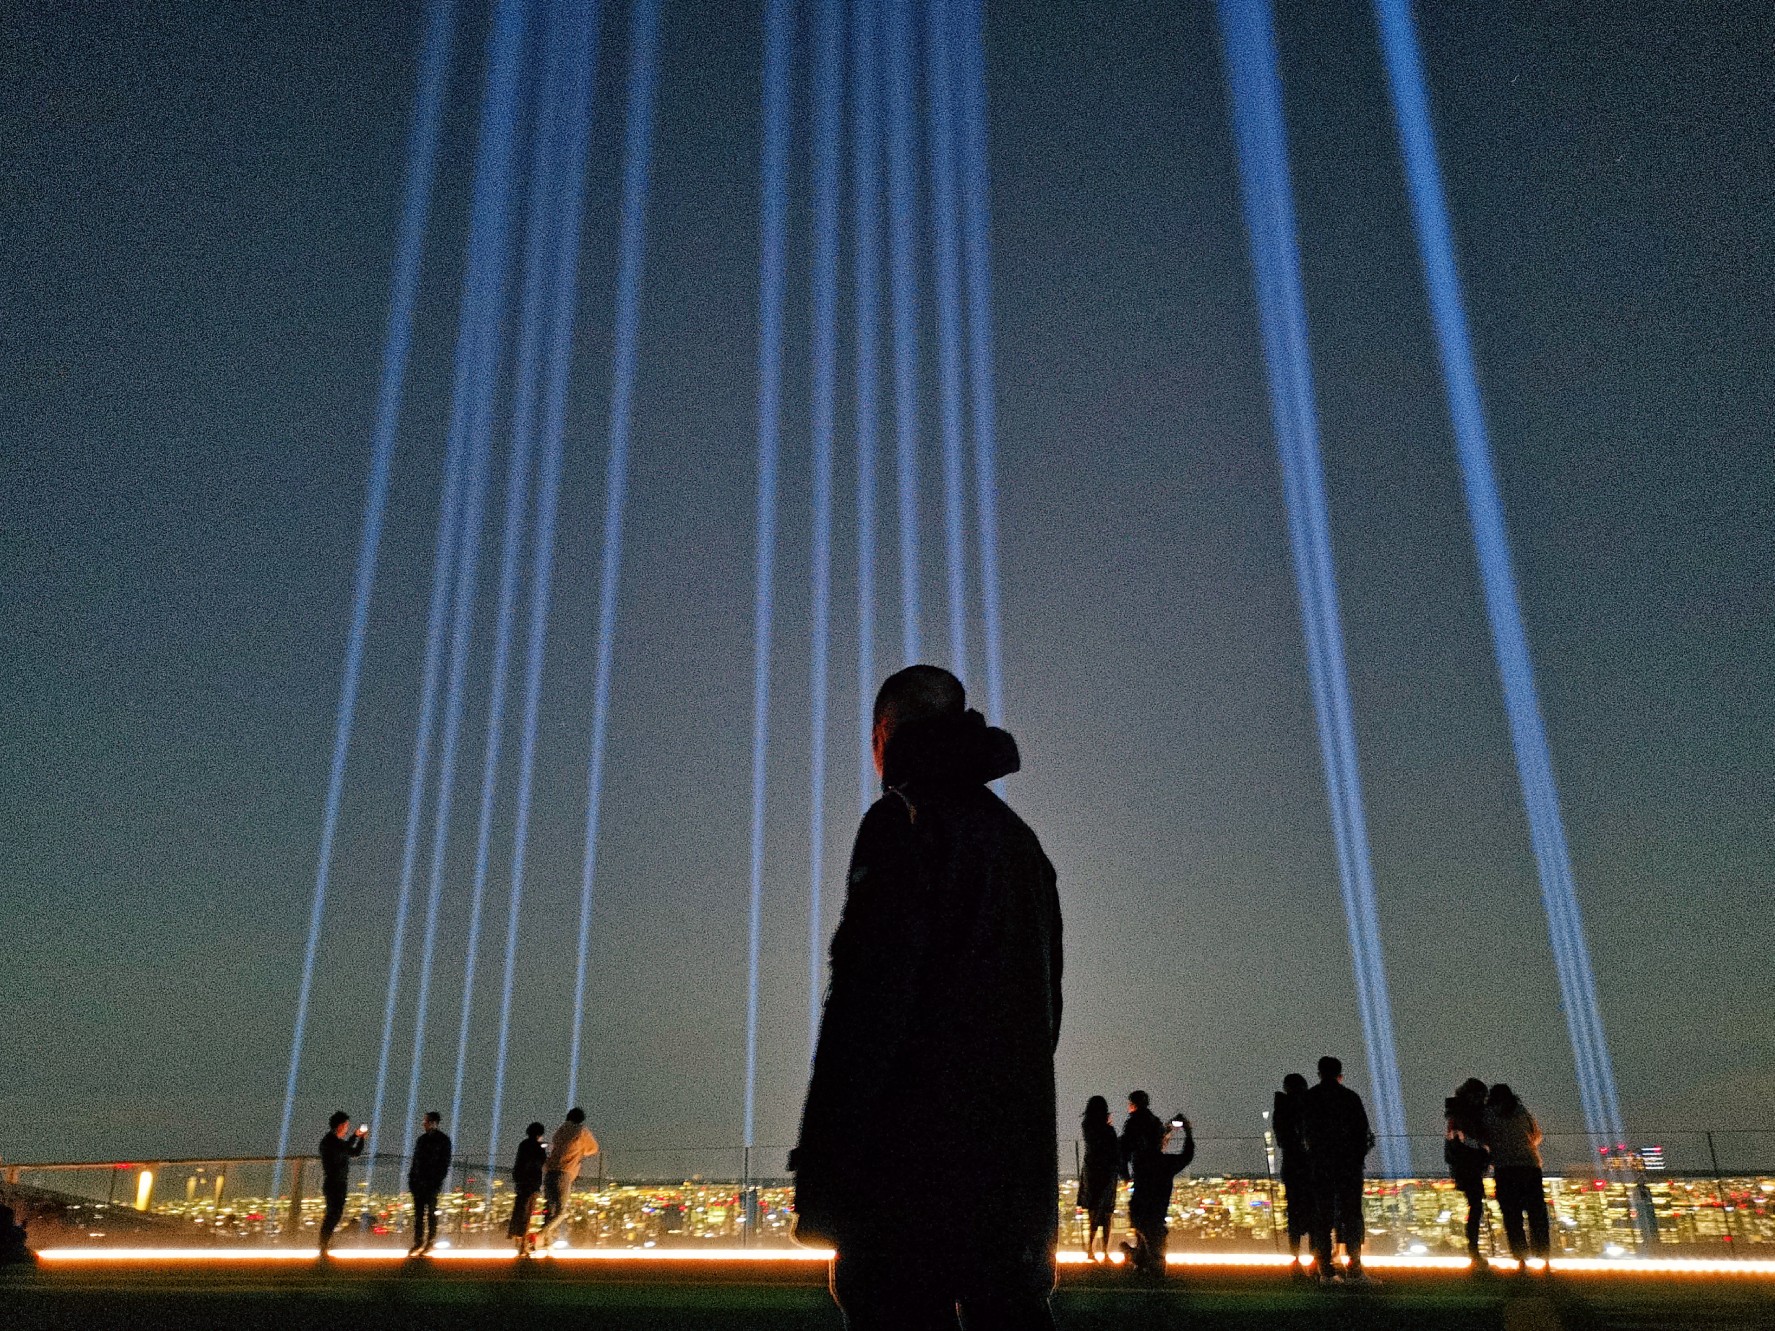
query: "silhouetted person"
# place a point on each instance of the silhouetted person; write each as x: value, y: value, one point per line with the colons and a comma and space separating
x: 1153, y: 1173
x: 1338, y: 1139
x: 425, y: 1180
x: 1100, y: 1172
x: 15, y: 1248
x: 1464, y: 1150
x: 526, y: 1183
x: 573, y: 1142
x: 1288, y: 1127
x: 1515, y: 1142
x: 928, y: 1151
x: 337, y: 1151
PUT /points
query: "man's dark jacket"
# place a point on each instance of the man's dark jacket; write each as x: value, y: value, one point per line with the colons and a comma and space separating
x: 336, y: 1154
x: 431, y: 1161
x: 1335, y: 1125
x: 527, y: 1168
x: 929, y: 1122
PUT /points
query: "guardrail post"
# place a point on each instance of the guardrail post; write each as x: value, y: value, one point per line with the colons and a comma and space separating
x: 295, y: 1220
x: 1719, y: 1190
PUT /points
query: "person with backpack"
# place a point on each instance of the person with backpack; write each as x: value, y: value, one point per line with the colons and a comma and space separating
x: 1465, y: 1152
x: 526, y: 1183
x: 1154, y: 1173
x: 1338, y: 1140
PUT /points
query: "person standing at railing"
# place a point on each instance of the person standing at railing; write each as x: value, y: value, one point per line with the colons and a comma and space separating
x: 426, y: 1177
x: 1154, y: 1173
x: 1099, y: 1174
x: 1288, y: 1127
x: 928, y: 1155
x: 1515, y: 1141
x: 573, y: 1142
x: 1463, y: 1148
x: 526, y: 1183
x: 337, y: 1151
x: 1338, y: 1140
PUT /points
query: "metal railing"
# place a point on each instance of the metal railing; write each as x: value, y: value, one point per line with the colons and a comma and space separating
x: 1704, y: 1193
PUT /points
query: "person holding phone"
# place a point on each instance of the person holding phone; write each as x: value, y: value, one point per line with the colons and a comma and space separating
x: 337, y: 1150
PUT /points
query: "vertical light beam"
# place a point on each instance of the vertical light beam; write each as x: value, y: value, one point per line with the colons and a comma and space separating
x: 902, y: 74
x: 866, y: 201
x: 422, y: 158
x: 569, y: 173
x: 1260, y: 134
x: 631, y: 245
x: 779, y: 35
x: 1485, y: 511
x: 976, y: 191
x: 489, y: 270
x: 828, y: 81
x: 527, y: 371
x: 940, y: 120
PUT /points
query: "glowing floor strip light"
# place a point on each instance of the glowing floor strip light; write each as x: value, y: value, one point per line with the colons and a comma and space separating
x: 1756, y: 1268
x: 865, y: 160
x: 488, y: 183
x: 828, y: 77
x: 779, y: 35
x: 489, y: 266
x: 940, y: 121
x: 903, y: 216
x: 1534, y: 763
x: 422, y: 155
x: 637, y: 163
x: 539, y: 239
x: 976, y: 237
x: 568, y: 207
x: 1256, y: 102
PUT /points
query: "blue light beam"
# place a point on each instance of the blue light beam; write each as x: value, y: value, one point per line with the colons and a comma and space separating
x: 976, y: 192
x: 569, y: 171
x: 527, y: 372
x: 866, y: 239
x: 779, y: 35
x: 1256, y: 97
x: 1485, y: 510
x: 902, y: 75
x: 631, y: 243
x: 828, y: 79
x: 422, y: 157
x: 488, y: 271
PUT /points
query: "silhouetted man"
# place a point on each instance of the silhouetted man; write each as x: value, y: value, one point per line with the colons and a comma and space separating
x: 425, y: 1180
x: 927, y: 1151
x: 1153, y: 1173
x: 1335, y: 1125
x: 337, y: 1151
x: 1288, y: 1126
x: 572, y: 1143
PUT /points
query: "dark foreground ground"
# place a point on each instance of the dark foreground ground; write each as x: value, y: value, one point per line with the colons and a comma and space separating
x: 549, y: 1296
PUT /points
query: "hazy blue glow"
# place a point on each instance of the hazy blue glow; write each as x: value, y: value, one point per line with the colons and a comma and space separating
x: 527, y: 372
x: 903, y: 219
x: 1269, y: 215
x: 489, y: 270
x: 422, y: 155
x: 828, y: 77
x: 779, y: 34
x: 865, y: 160
x: 976, y: 237
x: 567, y: 208
x: 946, y: 235
x: 1534, y: 763
x: 637, y: 164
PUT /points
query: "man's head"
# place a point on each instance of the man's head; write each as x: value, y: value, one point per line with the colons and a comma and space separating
x: 535, y: 1130
x: 1294, y: 1083
x: 916, y: 693
x: 576, y: 1115
x: 433, y: 1120
x: 1331, y: 1069
x: 338, y: 1123
x: 1138, y: 1100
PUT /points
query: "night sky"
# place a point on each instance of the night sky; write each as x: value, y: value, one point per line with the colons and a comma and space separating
x: 197, y: 215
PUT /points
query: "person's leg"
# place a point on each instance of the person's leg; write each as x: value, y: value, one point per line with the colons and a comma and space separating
x: 431, y: 1220
x: 1007, y: 1294
x: 554, y: 1189
x: 330, y: 1217
x: 1323, y: 1205
x: 1473, y: 1189
x: 1350, y: 1229
x: 884, y: 1293
x: 1540, y: 1234
x: 1510, y: 1205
